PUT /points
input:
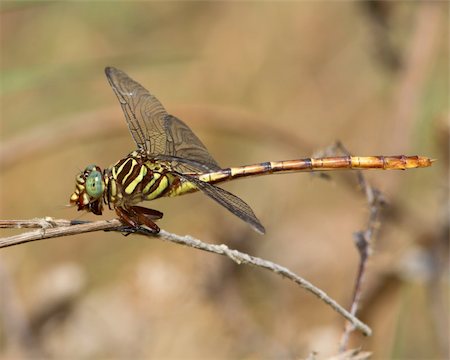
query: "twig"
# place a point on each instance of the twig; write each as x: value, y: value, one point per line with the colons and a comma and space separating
x: 50, y: 228
x: 363, y: 239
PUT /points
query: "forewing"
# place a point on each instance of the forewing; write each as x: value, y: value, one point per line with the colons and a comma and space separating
x: 231, y: 202
x: 155, y: 131
x: 143, y: 112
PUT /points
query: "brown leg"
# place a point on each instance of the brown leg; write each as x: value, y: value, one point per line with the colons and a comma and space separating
x: 125, y: 217
x: 135, y: 217
x: 145, y: 219
x: 149, y: 213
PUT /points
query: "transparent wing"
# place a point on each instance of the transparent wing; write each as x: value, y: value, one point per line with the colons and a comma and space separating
x: 156, y: 132
x: 231, y: 202
x: 185, y: 149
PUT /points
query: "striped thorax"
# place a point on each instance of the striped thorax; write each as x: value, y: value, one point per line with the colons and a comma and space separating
x: 135, y: 179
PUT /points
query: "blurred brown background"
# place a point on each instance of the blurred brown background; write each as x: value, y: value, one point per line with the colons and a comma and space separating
x: 257, y: 82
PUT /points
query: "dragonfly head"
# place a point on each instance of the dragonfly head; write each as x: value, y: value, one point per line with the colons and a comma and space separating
x: 89, y: 189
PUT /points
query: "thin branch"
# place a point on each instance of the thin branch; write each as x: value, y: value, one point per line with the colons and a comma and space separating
x: 363, y: 239
x: 49, y: 228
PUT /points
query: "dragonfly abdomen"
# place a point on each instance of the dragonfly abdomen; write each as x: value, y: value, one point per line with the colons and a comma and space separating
x: 397, y: 162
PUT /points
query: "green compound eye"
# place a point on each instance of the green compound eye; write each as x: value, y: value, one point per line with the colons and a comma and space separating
x: 94, y: 184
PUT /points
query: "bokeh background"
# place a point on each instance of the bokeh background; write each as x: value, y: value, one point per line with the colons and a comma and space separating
x: 257, y: 81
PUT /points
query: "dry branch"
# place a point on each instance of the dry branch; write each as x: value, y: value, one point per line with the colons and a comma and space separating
x: 48, y: 228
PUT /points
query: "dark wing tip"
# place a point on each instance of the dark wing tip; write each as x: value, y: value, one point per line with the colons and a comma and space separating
x: 259, y: 228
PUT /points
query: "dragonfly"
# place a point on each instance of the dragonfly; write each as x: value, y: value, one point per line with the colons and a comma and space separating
x: 170, y: 160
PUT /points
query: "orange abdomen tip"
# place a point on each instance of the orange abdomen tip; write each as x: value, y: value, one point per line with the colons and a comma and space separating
x: 419, y: 161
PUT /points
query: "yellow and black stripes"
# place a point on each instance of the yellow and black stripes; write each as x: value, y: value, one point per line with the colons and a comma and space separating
x: 134, y: 179
x: 129, y: 173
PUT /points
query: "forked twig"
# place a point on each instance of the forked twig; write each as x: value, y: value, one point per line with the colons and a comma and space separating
x: 51, y: 228
x: 363, y: 239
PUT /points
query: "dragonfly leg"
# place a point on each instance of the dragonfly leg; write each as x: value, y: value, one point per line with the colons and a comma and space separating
x: 136, y: 217
x: 148, y: 213
x: 126, y: 217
